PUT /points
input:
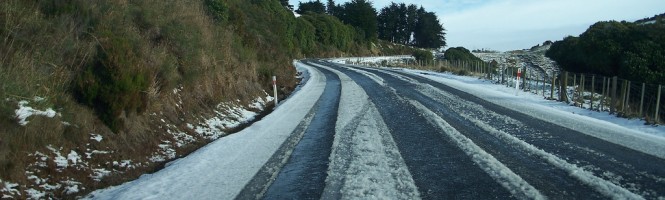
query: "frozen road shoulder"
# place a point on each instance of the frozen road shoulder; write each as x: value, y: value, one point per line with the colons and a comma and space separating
x: 228, y: 163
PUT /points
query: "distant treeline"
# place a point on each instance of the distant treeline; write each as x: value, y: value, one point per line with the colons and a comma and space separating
x: 358, y: 23
x: 634, y: 51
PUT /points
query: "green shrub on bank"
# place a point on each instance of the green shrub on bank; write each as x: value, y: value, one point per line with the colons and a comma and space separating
x: 218, y: 10
x: 113, y: 83
x: 423, y: 56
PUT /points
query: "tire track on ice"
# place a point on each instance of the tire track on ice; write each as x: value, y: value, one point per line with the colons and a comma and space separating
x: 304, y: 174
x: 602, y: 186
x: 439, y: 168
x: 365, y: 161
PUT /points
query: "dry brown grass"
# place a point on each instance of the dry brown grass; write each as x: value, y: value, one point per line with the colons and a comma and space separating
x: 42, y: 51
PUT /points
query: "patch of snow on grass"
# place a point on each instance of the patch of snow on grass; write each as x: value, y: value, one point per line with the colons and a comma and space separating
x: 211, y: 129
x: 71, y: 189
x: 60, y: 161
x: 165, y: 152
x: 98, y: 174
x: 89, y: 154
x: 35, y: 194
x: 9, y: 190
x: 96, y: 137
x: 123, y: 164
x: 24, y: 111
x: 73, y: 157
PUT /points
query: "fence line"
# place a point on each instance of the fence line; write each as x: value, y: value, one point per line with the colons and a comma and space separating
x: 617, y: 96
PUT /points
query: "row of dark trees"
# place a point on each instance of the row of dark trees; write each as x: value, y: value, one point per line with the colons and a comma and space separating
x: 398, y: 23
x: 410, y: 25
x: 634, y: 51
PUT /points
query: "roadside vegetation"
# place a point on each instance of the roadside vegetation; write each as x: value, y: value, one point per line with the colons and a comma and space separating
x: 107, y: 81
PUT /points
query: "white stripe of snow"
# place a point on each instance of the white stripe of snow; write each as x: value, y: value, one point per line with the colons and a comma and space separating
x: 601, y: 185
x: 502, y: 174
x: 618, y: 131
x: 374, y: 77
x: 221, y: 169
x: 365, y: 161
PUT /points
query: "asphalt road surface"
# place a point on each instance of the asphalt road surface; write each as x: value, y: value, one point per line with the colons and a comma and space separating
x: 381, y: 133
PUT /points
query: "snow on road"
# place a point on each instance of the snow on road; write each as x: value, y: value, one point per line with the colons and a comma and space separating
x: 629, y: 133
x: 502, y: 174
x: 228, y: 163
x: 365, y: 162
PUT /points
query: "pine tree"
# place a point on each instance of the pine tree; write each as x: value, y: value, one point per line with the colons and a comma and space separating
x: 311, y: 6
x: 429, y: 33
x: 360, y: 14
x: 331, y: 7
x: 286, y: 4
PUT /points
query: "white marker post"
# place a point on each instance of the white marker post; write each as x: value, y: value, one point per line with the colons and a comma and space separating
x: 274, y: 88
x: 517, y: 86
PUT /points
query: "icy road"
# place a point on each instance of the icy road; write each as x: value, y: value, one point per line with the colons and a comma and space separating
x: 367, y: 133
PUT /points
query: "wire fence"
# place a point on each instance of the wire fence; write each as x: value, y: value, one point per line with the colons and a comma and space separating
x: 617, y: 96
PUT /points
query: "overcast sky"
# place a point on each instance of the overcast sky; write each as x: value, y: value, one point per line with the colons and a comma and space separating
x: 519, y: 24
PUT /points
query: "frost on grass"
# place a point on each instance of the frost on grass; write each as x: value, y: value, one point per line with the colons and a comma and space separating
x: 40, y: 186
x: 165, y: 152
x: 96, y: 137
x: 9, y: 190
x: 98, y: 174
x: 60, y: 161
x: 228, y: 116
x: 24, y: 111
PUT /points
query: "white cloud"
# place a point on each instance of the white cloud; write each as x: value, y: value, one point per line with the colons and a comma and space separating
x: 517, y: 24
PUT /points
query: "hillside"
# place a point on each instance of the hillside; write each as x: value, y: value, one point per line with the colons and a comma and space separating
x: 537, y: 65
x: 95, y: 93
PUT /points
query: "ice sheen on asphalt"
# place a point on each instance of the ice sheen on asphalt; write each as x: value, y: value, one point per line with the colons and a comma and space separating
x: 304, y: 175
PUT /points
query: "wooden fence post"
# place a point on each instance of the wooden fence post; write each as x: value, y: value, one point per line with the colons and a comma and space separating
x: 552, y: 87
x: 609, y: 83
x: 523, y: 79
x: 581, y: 91
x: 658, y: 103
x: 563, y: 94
x: 602, y: 98
x: 627, y: 103
x: 642, y: 99
x: 613, y: 95
x: 593, y: 89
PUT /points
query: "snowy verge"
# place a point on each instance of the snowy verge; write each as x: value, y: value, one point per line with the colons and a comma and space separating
x: 365, y: 161
x: 625, y: 132
x: 228, y: 163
